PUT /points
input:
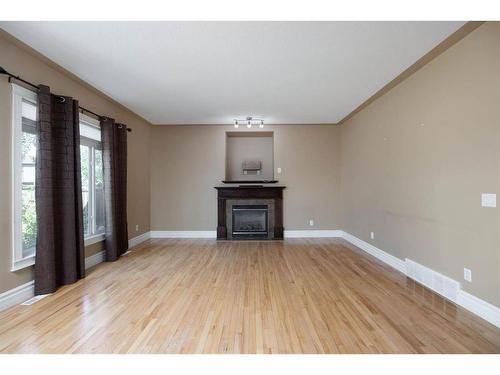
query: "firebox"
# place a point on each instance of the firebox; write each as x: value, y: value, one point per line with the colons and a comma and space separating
x: 250, y: 221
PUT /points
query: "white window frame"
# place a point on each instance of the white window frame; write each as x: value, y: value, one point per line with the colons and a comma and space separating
x: 18, y: 95
x: 92, y: 237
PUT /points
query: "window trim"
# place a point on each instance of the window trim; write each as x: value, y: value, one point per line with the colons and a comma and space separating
x: 19, y: 94
x: 92, y: 239
x: 92, y: 145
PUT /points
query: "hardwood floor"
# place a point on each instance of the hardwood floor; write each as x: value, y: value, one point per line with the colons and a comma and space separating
x: 203, y: 296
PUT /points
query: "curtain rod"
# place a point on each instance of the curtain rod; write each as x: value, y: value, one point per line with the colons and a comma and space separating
x: 17, y: 78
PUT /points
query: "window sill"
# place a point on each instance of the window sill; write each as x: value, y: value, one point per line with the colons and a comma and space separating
x: 23, y: 263
x: 94, y: 239
x: 30, y: 261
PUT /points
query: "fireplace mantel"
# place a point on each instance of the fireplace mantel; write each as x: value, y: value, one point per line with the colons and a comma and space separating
x: 250, y: 194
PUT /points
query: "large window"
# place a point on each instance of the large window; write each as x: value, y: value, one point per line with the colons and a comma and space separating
x: 92, y: 179
x: 24, y: 116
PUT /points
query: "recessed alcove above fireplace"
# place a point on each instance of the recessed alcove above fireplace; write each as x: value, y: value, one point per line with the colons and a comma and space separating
x: 253, y: 209
x: 249, y: 156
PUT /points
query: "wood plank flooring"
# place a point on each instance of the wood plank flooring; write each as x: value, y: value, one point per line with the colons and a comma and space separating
x: 203, y: 296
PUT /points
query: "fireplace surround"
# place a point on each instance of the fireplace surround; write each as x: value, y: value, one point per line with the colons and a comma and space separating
x: 249, y: 212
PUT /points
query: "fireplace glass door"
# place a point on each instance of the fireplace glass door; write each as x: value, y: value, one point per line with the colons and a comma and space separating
x: 250, y: 220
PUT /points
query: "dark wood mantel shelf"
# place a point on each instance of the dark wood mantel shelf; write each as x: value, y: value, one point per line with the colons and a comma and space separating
x: 246, y: 192
x: 250, y: 182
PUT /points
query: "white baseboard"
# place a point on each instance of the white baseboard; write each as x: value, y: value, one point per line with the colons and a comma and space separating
x: 312, y: 233
x: 387, y: 258
x: 139, y: 239
x: 94, y: 260
x: 183, y: 234
x: 17, y: 295
x: 213, y: 234
x: 485, y: 310
x: 435, y: 281
x: 99, y: 257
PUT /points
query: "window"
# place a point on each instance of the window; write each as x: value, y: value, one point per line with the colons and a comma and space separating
x: 92, y: 179
x: 24, y: 116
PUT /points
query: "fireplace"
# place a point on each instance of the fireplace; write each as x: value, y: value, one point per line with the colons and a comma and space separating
x: 250, y: 221
x: 249, y: 212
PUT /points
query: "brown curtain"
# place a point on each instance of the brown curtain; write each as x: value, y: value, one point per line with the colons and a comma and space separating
x: 114, y: 147
x: 59, y: 247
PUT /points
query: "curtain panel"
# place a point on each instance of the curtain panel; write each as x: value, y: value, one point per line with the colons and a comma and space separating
x: 114, y: 147
x: 60, y: 257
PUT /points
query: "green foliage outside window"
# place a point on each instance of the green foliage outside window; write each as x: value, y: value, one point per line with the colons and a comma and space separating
x: 29, y: 229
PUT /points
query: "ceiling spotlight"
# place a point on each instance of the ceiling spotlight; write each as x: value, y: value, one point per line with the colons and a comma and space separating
x: 249, y: 121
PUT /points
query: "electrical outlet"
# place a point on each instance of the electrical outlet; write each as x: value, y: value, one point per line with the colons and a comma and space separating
x: 279, y: 170
x: 137, y: 228
x: 311, y: 222
x: 372, y: 235
x: 467, y: 275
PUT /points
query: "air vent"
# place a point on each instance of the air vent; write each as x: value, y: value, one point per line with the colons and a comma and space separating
x: 439, y: 283
x: 34, y: 300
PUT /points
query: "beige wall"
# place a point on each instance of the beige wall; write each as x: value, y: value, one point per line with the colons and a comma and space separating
x: 415, y: 162
x: 19, y: 60
x: 188, y: 161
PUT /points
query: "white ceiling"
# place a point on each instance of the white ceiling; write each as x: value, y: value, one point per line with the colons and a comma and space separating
x: 213, y: 72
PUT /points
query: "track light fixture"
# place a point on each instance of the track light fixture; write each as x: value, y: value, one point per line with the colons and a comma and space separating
x: 249, y: 121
